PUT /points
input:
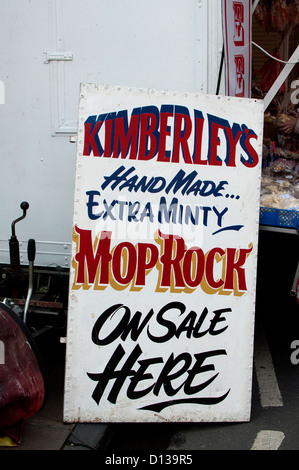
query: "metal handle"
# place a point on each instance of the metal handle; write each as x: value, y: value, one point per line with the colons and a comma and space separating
x: 14, y: 243
x: 24, y: 206
x: 31, y: 257
x: 31, y: 249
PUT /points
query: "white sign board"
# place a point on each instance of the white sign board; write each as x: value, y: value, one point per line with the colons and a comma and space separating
x: 162, y: 294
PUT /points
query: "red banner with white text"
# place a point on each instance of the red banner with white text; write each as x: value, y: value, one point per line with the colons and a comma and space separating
x: 237, y: 30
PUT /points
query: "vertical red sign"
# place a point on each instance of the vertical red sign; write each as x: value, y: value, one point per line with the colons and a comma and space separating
x: 237, y: 26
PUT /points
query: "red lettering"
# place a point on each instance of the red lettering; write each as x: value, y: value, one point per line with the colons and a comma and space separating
x: 214, y: 143
x: 210, y: 268
x: 254, y: 158
x: 88, y: 261
x: 144, y: 264
x: 124, y: 262
x: 90, y: 134
x: 193, y: 272
x: 235, y: 267
x: 164, y: 132
x: 144, y: 135
x: 171, y: 265
x: 123, y: 140
x: 232, y: 145
x: 179, y: 268
x: 199, y: 123
x: 148, y: 124
x: 181, y: 138
x: 108, y: 138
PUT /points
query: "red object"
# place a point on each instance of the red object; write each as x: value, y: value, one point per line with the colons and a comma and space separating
x: 269, y: 72
x: 22, y: 384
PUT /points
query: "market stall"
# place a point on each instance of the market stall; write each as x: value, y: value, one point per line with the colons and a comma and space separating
x: 276, y: 81
x: 280, y: 175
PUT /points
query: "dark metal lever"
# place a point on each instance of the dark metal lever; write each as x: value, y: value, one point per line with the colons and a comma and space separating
x: 31, y: 257
x: 24, y: 206
x: 14, y: 243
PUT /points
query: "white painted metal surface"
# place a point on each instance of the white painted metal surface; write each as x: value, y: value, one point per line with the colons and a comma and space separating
x: 161, y: 306
x: 172, y: 44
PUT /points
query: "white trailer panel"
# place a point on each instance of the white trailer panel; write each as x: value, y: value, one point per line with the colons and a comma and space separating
x: 48, y: 47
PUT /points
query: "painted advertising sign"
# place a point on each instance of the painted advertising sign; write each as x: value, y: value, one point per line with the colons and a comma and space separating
x: 237, y: 32
x: 162, y: 293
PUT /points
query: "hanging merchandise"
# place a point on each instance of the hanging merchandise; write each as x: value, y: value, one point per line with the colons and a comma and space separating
x: 269, y: 72
x: 294, y: 13
x: 277, y: 15
x: 280, y: 176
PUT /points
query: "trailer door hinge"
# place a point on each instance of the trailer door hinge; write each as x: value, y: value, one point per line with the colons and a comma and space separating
x: 50, y: 56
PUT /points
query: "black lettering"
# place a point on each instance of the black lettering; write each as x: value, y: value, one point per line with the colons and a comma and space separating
x: 217, y: 319
x: 111, y: 374
x: 140, y: 375
x: 166, y: 377
x: 199, y: 368
x: 167, y: 323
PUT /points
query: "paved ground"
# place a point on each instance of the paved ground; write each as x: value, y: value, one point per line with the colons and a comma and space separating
x: 274, y: 420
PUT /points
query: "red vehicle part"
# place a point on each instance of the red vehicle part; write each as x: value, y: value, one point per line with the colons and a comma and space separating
x: 22, y: 380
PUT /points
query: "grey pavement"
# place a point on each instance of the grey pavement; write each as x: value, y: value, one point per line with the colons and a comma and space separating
x: 275, y: 401
x: 46, y: 429
x: 273, y: 424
